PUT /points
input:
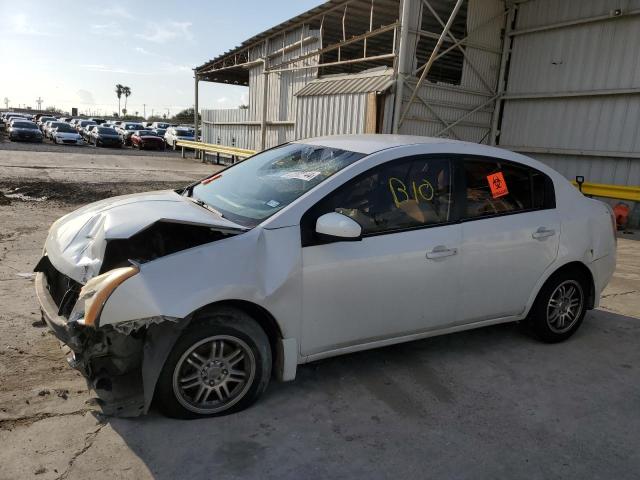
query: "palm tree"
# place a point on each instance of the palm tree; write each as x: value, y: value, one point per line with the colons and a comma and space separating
x: 126, y: 91
x: 119, y: 92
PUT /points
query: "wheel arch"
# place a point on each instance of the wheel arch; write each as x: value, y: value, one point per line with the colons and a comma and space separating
x: 574, y: 265
x: 281, y: 360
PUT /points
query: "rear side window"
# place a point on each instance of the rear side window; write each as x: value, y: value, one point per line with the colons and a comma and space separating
x: 495, y: 187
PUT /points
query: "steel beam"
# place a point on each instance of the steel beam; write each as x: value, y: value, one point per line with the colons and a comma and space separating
x: 457, y: 43
x: 579, y: 21
x: 432, y: 58
x: 507, y: 42
x: 467, y: 115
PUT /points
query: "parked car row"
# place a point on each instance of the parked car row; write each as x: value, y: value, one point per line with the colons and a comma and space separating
x: 95, y: 131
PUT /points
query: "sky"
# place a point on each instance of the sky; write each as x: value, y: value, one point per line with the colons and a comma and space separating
x: 73, y: 53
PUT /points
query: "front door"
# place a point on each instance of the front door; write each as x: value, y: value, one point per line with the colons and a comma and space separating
x: 401, y: 277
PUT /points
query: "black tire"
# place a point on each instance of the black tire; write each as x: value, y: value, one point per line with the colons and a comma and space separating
x: 230, y: 323
x: 541, y: 316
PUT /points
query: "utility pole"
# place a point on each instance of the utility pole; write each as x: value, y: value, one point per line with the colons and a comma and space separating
x: 144, y: 110
x: 6, y: 102
x: 168, y: 114
x: 39, y: 102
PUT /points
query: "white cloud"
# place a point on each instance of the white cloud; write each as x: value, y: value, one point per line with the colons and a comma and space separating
x: 162, y: 69
x: 99, y: 67
x: 117, y: 11
x: 85, y: 97
x: 111, y: 29
x: 144, y: 51
x: 167, y: 31
x: 21, y: 25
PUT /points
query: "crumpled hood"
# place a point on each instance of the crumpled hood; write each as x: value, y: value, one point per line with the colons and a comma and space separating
x: 76, y: 242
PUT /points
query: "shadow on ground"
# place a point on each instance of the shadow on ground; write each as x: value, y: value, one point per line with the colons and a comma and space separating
x: 486, y: 403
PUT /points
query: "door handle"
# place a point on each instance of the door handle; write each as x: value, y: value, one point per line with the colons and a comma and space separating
x: 543, y: 232
x: 441, y: 251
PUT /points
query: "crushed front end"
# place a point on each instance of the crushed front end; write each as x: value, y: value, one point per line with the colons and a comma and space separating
x: 110, y: 360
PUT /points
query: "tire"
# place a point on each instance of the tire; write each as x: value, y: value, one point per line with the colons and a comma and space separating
x: 207, y: 371
x: 546, y: 320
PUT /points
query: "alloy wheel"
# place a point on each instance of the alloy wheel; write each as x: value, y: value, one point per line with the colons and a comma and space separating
x: 565, y: 306
x: 214, y: 374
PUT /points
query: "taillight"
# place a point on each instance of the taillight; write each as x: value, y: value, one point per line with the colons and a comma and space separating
x: 614, y: 225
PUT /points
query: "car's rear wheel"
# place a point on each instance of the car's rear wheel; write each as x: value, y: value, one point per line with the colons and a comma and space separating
x: 221, y: 364
x: 560, y: 306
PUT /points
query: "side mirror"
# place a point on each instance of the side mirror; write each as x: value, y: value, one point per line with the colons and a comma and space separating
x: 338, y: 225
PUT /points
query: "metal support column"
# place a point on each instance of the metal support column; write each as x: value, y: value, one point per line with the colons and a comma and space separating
x: 263, y: 121
x: 502, y: 80
x: 195, y: 114
x: 403, y: 67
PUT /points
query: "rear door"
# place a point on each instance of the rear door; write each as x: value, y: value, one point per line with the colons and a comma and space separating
x: 510, y: 235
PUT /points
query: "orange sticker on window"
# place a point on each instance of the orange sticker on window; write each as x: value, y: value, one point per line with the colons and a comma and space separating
x: 497, y: 185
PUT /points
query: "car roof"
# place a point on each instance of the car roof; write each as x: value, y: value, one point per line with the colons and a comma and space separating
x: 370, y: 143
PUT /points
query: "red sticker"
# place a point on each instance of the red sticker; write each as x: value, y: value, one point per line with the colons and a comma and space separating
x: 497, y: 185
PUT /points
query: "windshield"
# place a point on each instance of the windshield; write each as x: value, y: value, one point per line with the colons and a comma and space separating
x: 29, y: 125
x: 141, y: 133
x: 184, y: 133
x: 65, y: 129
x: 253, y: 190
x: 133, y: 126
x: 107, y: 131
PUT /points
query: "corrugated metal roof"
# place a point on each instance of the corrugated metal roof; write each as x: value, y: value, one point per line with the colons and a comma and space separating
x: 374, y: 80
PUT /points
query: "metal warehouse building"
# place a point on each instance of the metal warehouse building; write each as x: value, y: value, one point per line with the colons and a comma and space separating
x: 556, y: 79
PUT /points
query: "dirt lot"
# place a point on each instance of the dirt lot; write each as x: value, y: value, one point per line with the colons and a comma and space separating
x: 490, y: 403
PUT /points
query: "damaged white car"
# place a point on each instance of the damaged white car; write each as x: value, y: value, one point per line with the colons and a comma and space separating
x: 316, y: 248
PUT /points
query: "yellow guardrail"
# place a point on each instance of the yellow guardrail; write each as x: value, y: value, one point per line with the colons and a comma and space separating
x: 611, y: 191
x: 215, y: 148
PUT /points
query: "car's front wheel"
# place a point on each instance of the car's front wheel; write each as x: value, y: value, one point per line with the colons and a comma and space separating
x: 560, y: 307
x: 221, y: 364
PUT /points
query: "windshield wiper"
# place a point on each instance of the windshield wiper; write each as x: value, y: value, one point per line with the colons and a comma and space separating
x: 205, y: 205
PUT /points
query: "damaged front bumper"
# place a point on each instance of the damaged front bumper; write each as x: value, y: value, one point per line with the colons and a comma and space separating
x: 110, y: 361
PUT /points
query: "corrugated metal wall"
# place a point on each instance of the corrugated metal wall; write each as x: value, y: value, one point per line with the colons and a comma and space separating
x: 331, y: 115
x: 281, y: 105
x: 584, y: 117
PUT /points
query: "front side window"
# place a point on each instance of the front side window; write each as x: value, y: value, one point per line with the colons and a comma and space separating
x: 402, y: 194
x: 253, y: 190
x: 494, y: 187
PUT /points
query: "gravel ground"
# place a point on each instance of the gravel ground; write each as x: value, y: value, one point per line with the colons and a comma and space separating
x: 490, y: 403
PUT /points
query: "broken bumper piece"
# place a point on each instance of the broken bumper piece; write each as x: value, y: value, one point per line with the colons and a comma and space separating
x: 110, y: 360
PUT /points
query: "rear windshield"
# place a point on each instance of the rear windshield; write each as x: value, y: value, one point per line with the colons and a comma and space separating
x: 107, y: 131
x: 87, y: 122
x: 184, y: 133
x: 133, y: 126
x: 28, y: 125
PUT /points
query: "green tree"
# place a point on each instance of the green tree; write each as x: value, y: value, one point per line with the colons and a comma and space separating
x: 126, y: 91
x: 119, y: 92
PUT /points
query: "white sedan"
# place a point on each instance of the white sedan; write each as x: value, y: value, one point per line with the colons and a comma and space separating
x: 313, y: 249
